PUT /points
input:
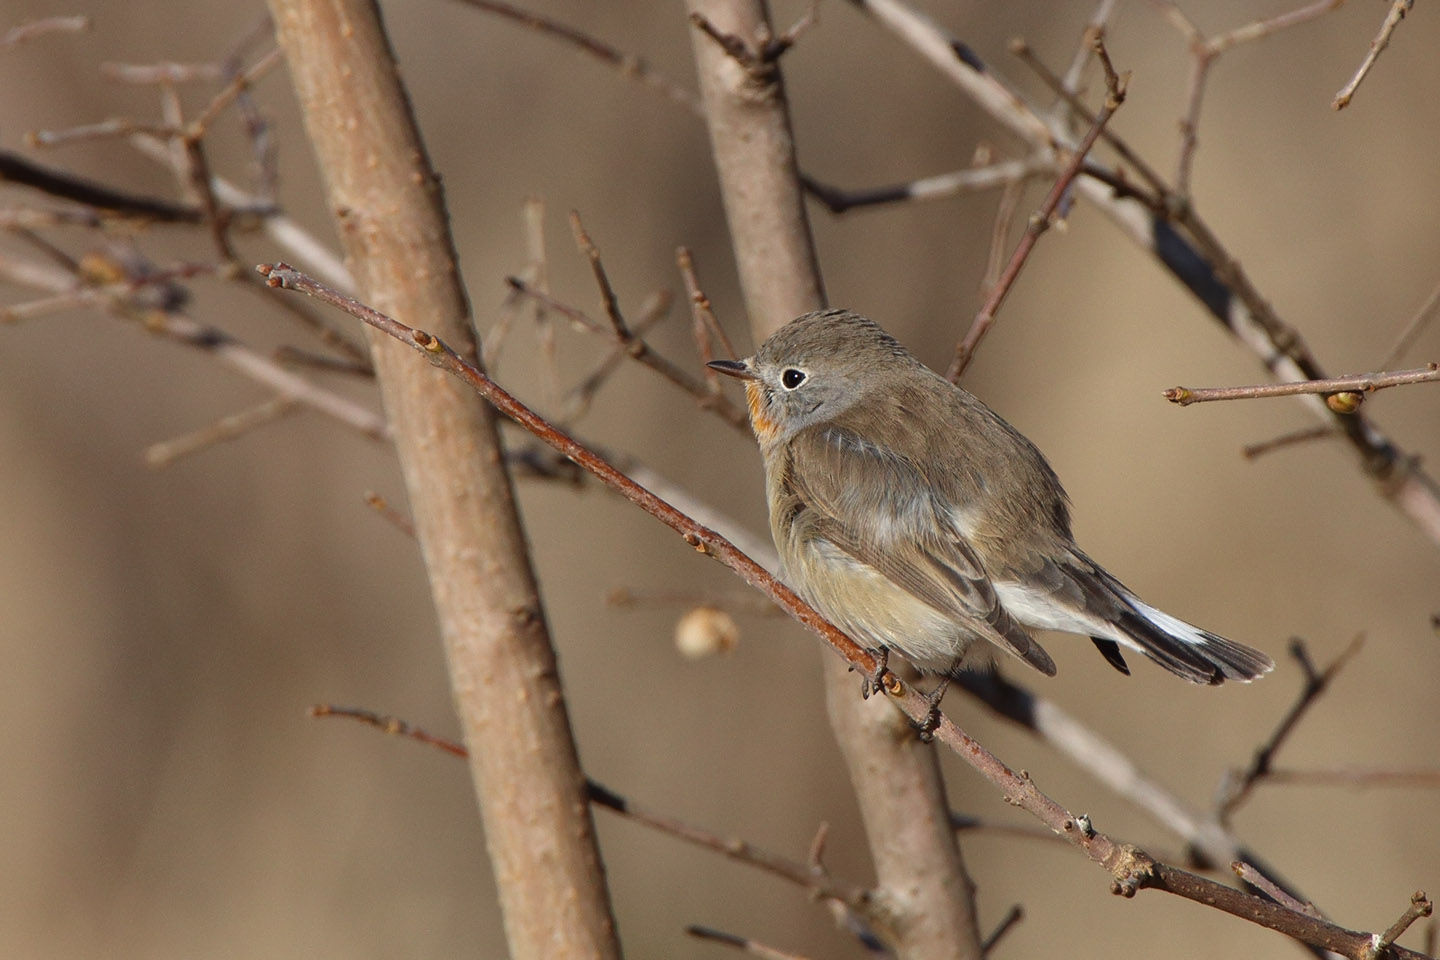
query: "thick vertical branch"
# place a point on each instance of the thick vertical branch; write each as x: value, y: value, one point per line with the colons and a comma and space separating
x: 926, y: 894
x: 388, y: 207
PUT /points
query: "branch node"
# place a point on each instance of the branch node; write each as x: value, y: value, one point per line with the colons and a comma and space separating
x: 1132, y: 869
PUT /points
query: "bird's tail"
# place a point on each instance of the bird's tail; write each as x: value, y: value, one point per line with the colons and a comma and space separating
x: 1184, y: 649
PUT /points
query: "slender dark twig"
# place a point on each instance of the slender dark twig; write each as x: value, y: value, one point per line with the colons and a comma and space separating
x: 628, y: 64
x: 1014, y: 915
x: 1252, y: 450
x: 600, y: 795
x: 744, y: 944
x: 1238, y: 784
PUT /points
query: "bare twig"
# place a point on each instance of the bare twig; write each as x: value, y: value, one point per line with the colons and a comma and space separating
x: 1271, y: 889
x: 733, y: 848
x: 579, y: 397
x: 1398, y: 9
x: 229, y: 428
x: 1358, y: 777
x: 120, y: 299
x: 108, y: 201
x: 1412, y: 330
x: 395, y: 518
x: 639, y: 350
x: 1014, y: 915
x: 39, y: 28
x: 1000, y: 174
x: 1238, y: 784
x: 1098, y: 21
x: 742, y: 851
x: 393, y: 726
x: 1357, y: 383
x: 1130, y: 868
x: 744, y: 944
x: 1040, y: 220
x: 154, y: 74
x: 629, y: 65
x: 234, y: 88
x: 608, y: 300
x: 1420, y: 906
x: 1204, y: 51
x: 701, y: 310
x: 1252, y: 450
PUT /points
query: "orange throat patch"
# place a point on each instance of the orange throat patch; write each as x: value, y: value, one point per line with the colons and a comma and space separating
x: 764, y: 427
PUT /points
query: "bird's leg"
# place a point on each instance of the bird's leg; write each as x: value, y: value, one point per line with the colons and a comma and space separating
x: 882, y: 662
x: 932, y: 716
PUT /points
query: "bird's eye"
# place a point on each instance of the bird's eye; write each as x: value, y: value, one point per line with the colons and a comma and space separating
x: 792, y: 378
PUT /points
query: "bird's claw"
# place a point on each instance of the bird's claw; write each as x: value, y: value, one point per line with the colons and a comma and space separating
x: 869, y: 685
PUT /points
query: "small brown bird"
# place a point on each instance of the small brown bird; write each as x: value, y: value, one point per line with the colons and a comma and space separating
x: 916, y: 519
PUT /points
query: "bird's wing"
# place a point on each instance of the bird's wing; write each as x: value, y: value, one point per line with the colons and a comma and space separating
x: 863, y: 499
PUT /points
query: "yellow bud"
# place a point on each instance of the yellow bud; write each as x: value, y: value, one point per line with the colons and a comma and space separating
x: 1346, y: 401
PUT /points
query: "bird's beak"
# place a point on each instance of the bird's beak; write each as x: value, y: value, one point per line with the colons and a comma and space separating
x: 739, y: 369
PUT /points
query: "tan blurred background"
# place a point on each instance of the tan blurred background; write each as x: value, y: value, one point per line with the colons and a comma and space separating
x: 162, y: 793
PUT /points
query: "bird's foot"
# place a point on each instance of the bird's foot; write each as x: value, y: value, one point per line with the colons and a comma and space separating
x: 931, y: 723
x: 882, y: 667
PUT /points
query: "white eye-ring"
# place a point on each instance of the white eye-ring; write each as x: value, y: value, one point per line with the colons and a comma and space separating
x: 792, y: 378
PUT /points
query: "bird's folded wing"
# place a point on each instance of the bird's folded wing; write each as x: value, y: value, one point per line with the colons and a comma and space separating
x: 877, y: 509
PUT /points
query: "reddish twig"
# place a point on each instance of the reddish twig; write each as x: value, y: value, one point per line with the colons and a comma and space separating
x: 1040, y: 220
